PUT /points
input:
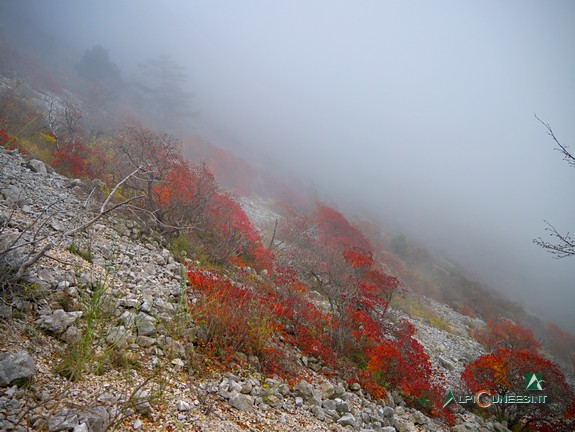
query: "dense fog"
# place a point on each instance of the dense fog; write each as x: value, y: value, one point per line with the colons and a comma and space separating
x: 417, y: 114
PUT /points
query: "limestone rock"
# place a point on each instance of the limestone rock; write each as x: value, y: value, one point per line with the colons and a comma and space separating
x: 58, y: 321
x: 37, y: 166
x: 242, y: 402
x: 16, y: 368
x: 347, y: 420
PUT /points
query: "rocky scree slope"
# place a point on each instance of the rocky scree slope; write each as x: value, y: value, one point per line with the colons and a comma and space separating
x: 110, y: 300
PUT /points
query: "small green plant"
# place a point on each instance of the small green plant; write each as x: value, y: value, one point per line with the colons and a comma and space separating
x: 78, y: 355
x: 84, y: 254
x: 179, y: 246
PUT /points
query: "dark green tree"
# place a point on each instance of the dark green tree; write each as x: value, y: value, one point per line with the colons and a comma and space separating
x: 163, y: 88
x: 96, y: 67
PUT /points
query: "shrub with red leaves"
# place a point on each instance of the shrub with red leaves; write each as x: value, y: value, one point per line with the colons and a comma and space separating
x: 502, y: 372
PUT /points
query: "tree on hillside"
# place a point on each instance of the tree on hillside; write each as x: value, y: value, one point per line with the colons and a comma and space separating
x: 561, y: 245
x: 153, y: 155
x: 96, y: 68
x: 163, y: 90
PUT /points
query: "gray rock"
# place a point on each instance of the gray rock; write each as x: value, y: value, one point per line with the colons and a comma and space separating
x: 318, y: 413
x: 96, y: 417
x: 387, y: 412
x: 283, y: 389
x: 82, y: 427
x: 403, y: 425
x: 247, y: 387
x: 63, y: 420
x: 16, y: 368
x: 338, y: 391
x: 347, y: 420
x: 145, y: 324
x: 355, y: 387
x: 64, y: 285
x: 128, y: 318
x: 74, y: 183
x: 398, y: 399
x: 446, y: 363
x: 129, y: 303
x: 182, y: 406
x: 145, y: 341
x: 71, y: 335
x: 107, y: 398
x: 332, y: 413
x: 389, y: 399
x: 58, y: 321
x: 327, y: 390
x: 118, y: 336
x: 13, y: 194
x: 329, y: 404
x: 273, y: 400
x: 388, y: 429
x: 419, y: 418
x: 137, y: 424
x: 143, y: 405
x: 146, y: 307
x: 316, y: 367
x: 235, y: 387
x: 307, y: 392
x: 242, y: 402
x: 498, y: 427
x: 341, y: 406
x: 37, y: 166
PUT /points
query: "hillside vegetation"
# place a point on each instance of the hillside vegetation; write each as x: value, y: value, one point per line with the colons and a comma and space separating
x: 138, y: 294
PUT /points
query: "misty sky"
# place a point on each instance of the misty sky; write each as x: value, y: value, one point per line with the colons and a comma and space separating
x: 418, y: 112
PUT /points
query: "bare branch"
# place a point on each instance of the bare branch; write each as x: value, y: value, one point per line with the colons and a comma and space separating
x: 274, y: 235
x: 99, y: 216
x: 564, y: 244
x: 562, y: 248
x: 120, y: 183
x: 567, y: 156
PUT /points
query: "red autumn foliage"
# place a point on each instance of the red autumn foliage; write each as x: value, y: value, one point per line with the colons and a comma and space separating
x: 506, y: 334
x: 358, y: 337
x: 233, y: 317
x: 185, y: 194
x: 336, y: 230
x: 232, y: 233
x: 502, y: 372
x: 4, y: 138
x: 78, y: 160
x: 402, y: 363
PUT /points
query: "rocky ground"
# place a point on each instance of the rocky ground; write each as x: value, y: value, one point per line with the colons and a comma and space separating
x: 104, y: 308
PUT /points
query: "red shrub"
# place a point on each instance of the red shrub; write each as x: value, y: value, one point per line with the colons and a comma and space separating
x: 506, y: 334
x: 503, y: 372
x: 234, y: 317
x: 76, y: 159
x: 403, y: 364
